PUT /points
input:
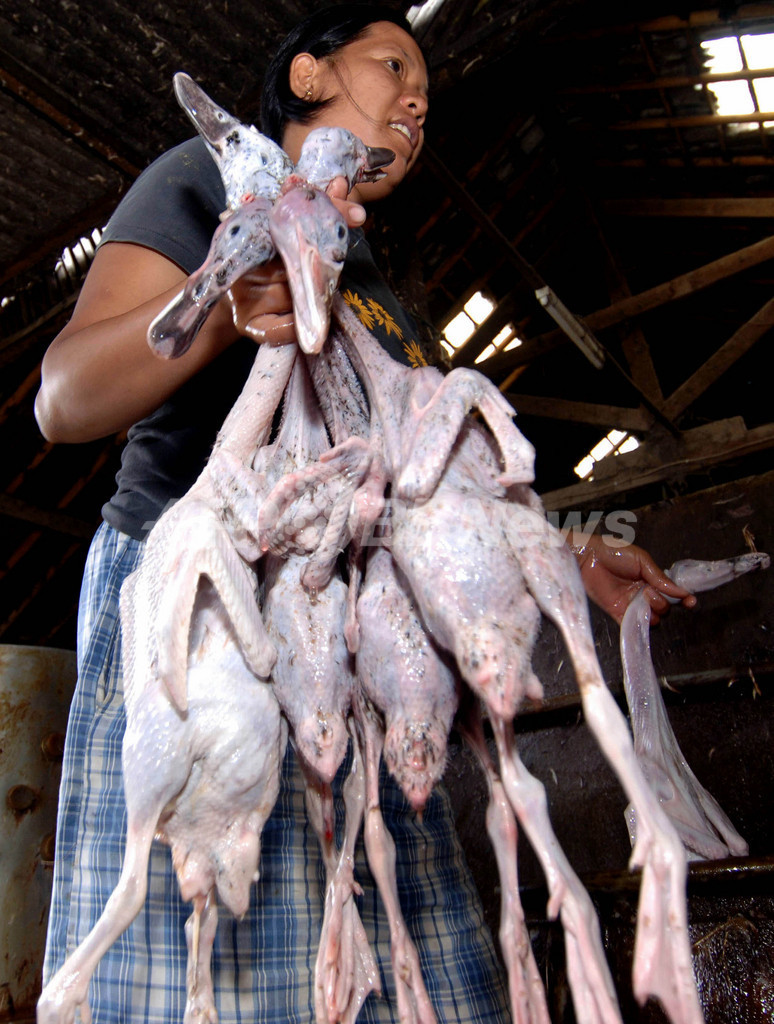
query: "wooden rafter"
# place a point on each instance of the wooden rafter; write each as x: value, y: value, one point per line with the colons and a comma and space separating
x: 633, y: 342
x: 643, y: 302
x: 515, y: 360
x: 14, y: 343
x: 708, y: 18
x: 72, y: 128
x: 686, y: 121
x: 470, y: 177
x: 64, y: 234
x: 22, y: 392
x: 664, y: 96
x: 721, y: 361
x: 665, y: 82
x: 39, y: 587
x: 701, y: 449
x: 730, y: 206
x: 581, y: 412
x: 482, y: 219
x: 700, y: 162
x: 49, y: 520
x: 684, y: 285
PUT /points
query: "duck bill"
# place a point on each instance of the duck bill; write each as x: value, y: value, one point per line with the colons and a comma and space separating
x: 311, y: 237
x: 377, y: 157
x: 312, y: 280
x: 211, y: 121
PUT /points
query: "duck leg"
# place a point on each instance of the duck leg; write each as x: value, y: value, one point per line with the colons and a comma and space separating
x: 592, y: 987
x: 528, y: 998
x: 439, y: 425
x: 67, y: 991
x: 414, y: 1006
x: 200, y: 929
x: 345, y: 971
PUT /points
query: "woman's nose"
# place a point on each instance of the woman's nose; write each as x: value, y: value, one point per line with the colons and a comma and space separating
x: 416, y: 104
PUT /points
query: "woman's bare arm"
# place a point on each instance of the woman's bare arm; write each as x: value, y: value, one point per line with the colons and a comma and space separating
x: 99, y: 374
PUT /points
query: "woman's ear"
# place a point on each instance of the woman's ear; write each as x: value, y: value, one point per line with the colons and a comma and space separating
x: 302, y: 76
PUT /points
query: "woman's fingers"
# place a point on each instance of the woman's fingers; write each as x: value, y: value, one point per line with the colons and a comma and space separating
x: 261, y: 304
x: 353, y: 213
x: 277, y: 330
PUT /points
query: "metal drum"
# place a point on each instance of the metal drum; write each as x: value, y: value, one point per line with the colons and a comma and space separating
x: 36, y: 686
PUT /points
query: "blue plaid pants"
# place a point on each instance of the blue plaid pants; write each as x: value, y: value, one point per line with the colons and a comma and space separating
x: 263, y: 965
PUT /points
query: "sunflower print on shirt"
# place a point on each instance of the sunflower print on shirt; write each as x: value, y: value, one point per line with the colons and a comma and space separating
x: 371, y: 313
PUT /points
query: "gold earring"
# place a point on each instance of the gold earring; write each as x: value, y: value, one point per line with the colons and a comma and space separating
x: 308, y: 95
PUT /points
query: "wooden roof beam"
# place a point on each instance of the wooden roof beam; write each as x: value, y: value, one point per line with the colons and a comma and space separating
x: 38, y: 255
x: 721, y: 361
x: 481, y: 218
x: 685, y: 284
x: 39, y: 588
x: 703, y: 447
x: 471, y: 176
x: 674, y: 23
x: 686, y: 121
x: 734, y: 206
x: 732, y: 160
x: 515, y: 360
x: 633, y: 342
x: 72, y: 129
x: 667, y: 82
x: 653, y: 298
x: 49, y: 520
x: 14, y: 401
x: 606, y: 416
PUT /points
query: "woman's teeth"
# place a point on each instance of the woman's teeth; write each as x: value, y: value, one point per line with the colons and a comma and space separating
x: 402, y: 129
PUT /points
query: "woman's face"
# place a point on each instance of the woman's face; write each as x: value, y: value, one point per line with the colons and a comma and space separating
x: 377, y: 85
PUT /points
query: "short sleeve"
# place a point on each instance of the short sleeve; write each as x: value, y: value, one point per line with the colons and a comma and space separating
x: 173, y: 207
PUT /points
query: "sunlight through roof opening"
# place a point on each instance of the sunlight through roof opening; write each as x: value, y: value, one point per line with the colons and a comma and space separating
x: 505, y: 341
x: 736, y: 53
x: 463, y: 325
x: 617, y: 442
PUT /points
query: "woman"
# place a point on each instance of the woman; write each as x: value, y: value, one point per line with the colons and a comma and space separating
x: 360, y: 68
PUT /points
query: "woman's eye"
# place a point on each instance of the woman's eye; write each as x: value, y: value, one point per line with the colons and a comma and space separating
x: 394, y: 64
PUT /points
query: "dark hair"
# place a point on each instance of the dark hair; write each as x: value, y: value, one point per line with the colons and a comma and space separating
x: 321, y: 34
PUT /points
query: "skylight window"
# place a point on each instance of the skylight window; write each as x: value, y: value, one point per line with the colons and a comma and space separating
x: 504, y: 341
x: 737, y: 53
x: 463, y: 325
x: 617, y: 442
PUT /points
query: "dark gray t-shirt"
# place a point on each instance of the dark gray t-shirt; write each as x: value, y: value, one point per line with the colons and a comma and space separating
x: 173, y: 208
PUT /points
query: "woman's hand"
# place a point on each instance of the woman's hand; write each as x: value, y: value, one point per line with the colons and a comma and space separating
x: 613, y: 574
x: 261, y: 303
x: 262, y: 306
x: 353, y: 213
x: 99, y: 375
